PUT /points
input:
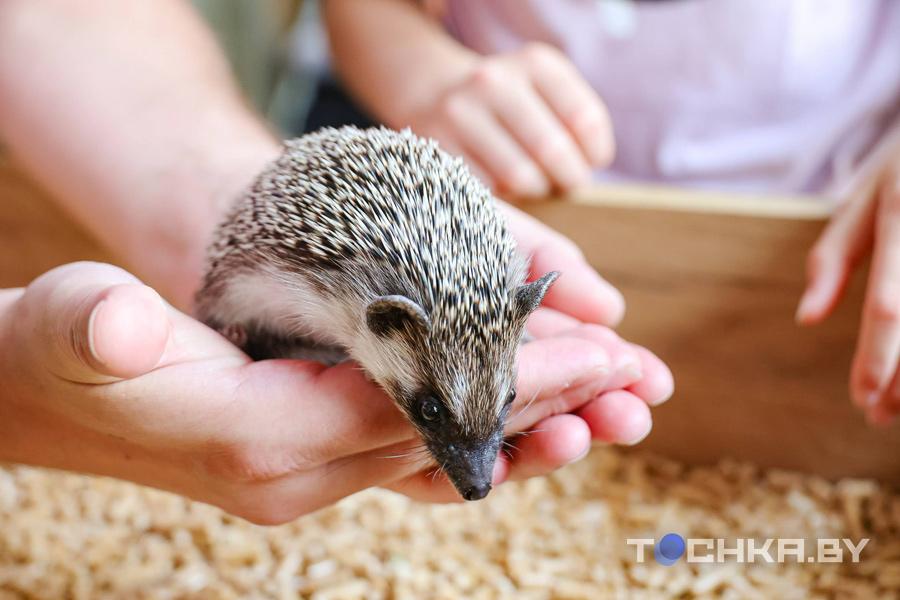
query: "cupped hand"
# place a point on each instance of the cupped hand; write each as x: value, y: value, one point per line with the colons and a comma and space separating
x: 104, y: 377
x: 869, y: 221
x: 526, y: 122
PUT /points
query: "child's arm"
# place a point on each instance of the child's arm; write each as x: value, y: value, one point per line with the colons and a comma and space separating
x: 525, y: 121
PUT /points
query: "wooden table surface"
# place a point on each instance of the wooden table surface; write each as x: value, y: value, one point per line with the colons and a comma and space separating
x: 711, y: 283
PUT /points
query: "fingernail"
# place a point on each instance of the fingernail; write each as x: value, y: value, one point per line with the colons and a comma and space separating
x: 630, y: 366
x: 641, y: 437
x: 587, y: 450
x: 871, y: 399
x: 804, y: 307
x: 90, y: 331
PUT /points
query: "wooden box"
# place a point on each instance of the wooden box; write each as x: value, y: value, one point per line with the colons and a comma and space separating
x: 712, y: 283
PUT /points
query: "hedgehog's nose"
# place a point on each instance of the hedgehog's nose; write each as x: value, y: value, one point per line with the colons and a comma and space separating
x: 477, y: 491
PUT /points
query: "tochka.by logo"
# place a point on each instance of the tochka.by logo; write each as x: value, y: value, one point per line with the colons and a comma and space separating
x: 671, y: 547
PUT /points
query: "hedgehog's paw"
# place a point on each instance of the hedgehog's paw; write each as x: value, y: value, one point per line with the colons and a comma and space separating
x: 329, y: 355
x: 234, y: 333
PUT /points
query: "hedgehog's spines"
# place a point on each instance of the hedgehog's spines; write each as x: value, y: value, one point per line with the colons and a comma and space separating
x: 369, y: 213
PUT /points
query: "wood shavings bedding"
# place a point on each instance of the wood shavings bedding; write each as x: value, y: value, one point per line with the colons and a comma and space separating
x: 71, y: 536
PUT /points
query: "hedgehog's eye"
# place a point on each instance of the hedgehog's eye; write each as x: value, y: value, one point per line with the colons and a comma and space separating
x: 510, y: 399
x: 430, y: 409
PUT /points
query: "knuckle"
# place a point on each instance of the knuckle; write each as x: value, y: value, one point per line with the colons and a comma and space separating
x: 541, y: 56
x: 884, y: 308
x: 550, y: 147
x: 489, y: 77
x: 866, y: 378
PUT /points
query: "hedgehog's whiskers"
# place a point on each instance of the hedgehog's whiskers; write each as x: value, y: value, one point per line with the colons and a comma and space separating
x: 522, y: 410
x: 417, y: 451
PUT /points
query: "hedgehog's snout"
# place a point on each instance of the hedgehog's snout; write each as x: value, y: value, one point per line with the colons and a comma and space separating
x: 470, y: 467
x: 477, y: 492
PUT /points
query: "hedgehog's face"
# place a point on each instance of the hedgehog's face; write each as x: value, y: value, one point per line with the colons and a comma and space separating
x: 457, y: 395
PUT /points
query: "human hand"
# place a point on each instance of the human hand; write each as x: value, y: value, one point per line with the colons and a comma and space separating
x: 103, y: 377
x: 526, y: 122
x: 869, y: 221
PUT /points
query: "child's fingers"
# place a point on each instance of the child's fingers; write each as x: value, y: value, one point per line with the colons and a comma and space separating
x: 486, y: 140
x: 528, y: 118
x: 844, y: 241
x: 574, y: 102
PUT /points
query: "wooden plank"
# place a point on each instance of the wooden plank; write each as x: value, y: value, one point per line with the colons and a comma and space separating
x: 713, y: 290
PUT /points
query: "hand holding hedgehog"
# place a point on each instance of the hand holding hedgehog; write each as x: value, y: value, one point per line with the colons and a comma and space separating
x: 378, y: 246
x: 103, y: 377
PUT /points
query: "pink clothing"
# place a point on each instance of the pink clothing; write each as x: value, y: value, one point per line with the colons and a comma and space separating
x: 765, y: 95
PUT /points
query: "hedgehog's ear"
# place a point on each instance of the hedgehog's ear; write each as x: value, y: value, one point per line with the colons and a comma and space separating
x: 529, y: 295
x: 387, y: 314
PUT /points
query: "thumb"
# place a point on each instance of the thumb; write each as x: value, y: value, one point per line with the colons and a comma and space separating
x: 93, y: 323
x: 846, y: 238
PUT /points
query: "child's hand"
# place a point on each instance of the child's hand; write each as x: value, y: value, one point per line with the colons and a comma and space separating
x: 526, y: 122
x: 101, y: 376
x: 868, y: 222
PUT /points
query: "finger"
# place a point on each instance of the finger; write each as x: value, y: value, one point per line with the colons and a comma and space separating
x: 574, y: 102
x: 92, y: 323
x: 881, y: 415
x: 549, y: 367
x: 657, y: 384
x: 617, y: 417
x: 878, y: 348
x: 625, y: 362
x: 845, y: 240
x: 579, y: 292
x: 531, y: 122
x: 546, y: 322
x: 482, y: 137
x: 555, y: 442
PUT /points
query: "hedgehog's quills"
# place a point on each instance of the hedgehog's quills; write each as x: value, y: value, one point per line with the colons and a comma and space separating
x: 379, y: 246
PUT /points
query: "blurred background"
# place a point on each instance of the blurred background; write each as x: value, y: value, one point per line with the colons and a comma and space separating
x: 279, y: 52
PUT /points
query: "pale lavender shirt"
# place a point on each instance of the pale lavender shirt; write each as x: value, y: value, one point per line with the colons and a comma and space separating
x: 763, y: 95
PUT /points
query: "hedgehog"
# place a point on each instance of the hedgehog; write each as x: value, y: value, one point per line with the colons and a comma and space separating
x: 377, y: 246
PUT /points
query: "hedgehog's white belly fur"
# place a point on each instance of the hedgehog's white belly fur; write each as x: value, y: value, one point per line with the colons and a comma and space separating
x: 283, y: 303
